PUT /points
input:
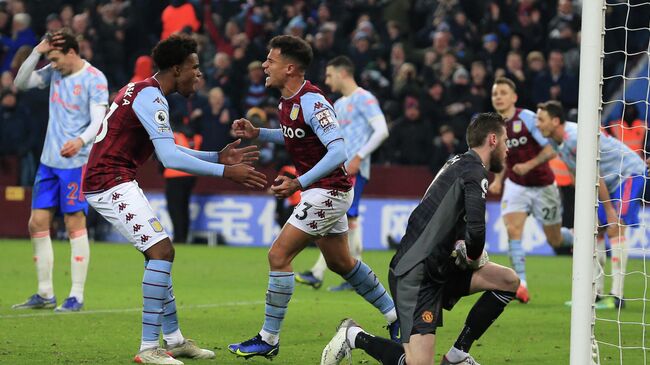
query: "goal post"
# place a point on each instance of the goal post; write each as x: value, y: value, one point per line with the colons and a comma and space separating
x: 589, y: 104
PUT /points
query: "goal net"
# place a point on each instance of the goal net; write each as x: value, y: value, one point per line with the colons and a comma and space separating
x: 610, y: 316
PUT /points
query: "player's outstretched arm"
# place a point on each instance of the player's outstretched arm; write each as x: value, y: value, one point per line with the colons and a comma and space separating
x: 243, y: 128
x: 171, y: 157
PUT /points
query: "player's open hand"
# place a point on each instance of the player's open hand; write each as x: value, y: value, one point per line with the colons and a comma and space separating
x: 231, y: 155
x: 50, y: 42
x: 71, y: 147
x: 245, y: 175
x: 243, y: 128
x: 284, y: 186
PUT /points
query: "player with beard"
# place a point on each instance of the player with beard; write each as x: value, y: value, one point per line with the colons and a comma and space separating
x: 441, y: 258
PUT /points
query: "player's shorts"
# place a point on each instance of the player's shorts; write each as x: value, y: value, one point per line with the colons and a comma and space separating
x: 359, y: 183
x: 420, y: 297
x: 59, y: 188
x: 128, y: 210
x: 543, y: 202
x: 322, y: 212
x: 626, y: 200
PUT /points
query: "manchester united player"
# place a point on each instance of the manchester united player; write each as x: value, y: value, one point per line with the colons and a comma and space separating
x: 136, y: 125
x: 530, y: 184
x: 312, y: 136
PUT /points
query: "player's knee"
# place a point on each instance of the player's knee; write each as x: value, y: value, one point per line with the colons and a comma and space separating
x: 163, y: 250
x: 36, y: 225
x: 510, y: 280
x: 277, y: 259
x: 419, y: 358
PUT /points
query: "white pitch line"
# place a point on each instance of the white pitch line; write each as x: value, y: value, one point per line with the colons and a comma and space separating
x: 127, y: 310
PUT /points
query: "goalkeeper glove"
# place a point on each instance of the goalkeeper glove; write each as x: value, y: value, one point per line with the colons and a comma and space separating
x: 464, y: 262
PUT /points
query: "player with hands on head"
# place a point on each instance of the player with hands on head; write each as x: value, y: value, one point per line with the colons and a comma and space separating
x: 137, y: 125
x: 440, y: 259
x: 312, y: 136
x: 78, y: 101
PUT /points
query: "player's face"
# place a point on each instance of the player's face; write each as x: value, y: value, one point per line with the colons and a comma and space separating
x: 332, y: 78
x: 500, y: 152
x: 503, y: 98
x: 275, y: 68
x: 61, y: 62
x: 188, y: 75
x: 545, y: 123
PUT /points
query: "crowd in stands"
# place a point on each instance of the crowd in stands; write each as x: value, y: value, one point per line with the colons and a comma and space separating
x: 431, y: 63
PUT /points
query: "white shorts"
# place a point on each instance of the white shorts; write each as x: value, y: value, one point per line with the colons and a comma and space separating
x: 128, y: 210
x: 322, y: 212
x: 543, y: 202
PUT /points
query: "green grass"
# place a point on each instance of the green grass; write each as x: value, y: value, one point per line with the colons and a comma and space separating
x: 220, y: 296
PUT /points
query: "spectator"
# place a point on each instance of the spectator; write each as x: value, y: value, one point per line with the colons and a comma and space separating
x: 514, y: 70
x: 223, y: 76
x: 410, y: 138
x: 556, y: 84
x: 565, y: 15
x: 491, y: 53
x: 255, y: 89
x: 433, y: 102
x: 21, y: 35
x: 178, y: 15
x: 53, y: 23
x: 481, y: 85
x: 215, y: 126
x: 445, y: 146
x: 143, y: 69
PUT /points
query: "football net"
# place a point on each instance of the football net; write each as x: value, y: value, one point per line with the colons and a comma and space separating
x: 612, y: 265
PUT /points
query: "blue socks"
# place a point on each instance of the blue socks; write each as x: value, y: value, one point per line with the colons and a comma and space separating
x: 518, y: 259
x: 366, y: 284
x: 278, y: 294
x: 155, y: 289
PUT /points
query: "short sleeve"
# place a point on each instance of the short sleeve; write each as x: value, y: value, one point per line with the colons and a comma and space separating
x: 320, y: 116
x: 153, y: 115
x: 99, y: 90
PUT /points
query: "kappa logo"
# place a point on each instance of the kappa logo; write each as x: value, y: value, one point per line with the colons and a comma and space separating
x: 121, y: 207
x: 318, y: 105
x: 320, y: 214
x: 328, y: 203
x: 129, y: 217
x: 115, y: 196
x: 144, y: 238
x: 137, y: 227
x: 312, y: 225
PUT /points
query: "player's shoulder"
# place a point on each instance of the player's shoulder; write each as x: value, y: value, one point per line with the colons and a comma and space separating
x: 94, y: 73
x: 471, y: 165
x: 527, y: 116
x: 365, y: 95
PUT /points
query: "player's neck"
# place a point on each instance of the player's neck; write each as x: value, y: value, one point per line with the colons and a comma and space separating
x: 166, y: 82
x: 558, y: 135
x: 292, y: 86
x: 348, y: 88
x: 78, y: 65
x: 508, y: 114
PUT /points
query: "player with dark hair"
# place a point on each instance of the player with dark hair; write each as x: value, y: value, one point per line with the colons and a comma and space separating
x: 136, y: 125
x: 620, y: 191
x: 364, y: 127
x: 529, y: 187
x: 312, y: 136
x: 78, y: 101
x: 440, y: 259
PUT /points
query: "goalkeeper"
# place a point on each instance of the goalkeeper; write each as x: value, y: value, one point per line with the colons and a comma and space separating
x: 441, y: 258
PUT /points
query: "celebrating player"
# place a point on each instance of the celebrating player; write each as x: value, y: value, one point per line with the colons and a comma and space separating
x: 530, y: 185
x: 620, y: 191
x: 78, y: 101
x: 136, y: 125
x: 311, y: 134
x: 364, y: 128
x: 440, y: 259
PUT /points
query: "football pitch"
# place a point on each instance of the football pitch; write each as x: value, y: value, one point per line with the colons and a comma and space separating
x: 220, y: 295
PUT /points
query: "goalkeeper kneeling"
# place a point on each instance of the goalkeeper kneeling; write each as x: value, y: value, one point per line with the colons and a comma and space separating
x: 440, y: 259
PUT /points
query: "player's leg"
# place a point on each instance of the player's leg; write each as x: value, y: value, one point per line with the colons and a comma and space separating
x: 74, y: 207
x: 355, y: 242
x: 499, y: 284
x: 286, y: 246
x: 45, y: 197
x: 515, y: 205
x: 361, y: 277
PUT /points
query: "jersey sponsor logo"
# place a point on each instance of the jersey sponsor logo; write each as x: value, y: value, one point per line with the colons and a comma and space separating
x: 295, y: 109
x: 291, y: 132
x: 155, y: 224
x: 516, y: 126
x: 325, y: 119
x: 516, y: 142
